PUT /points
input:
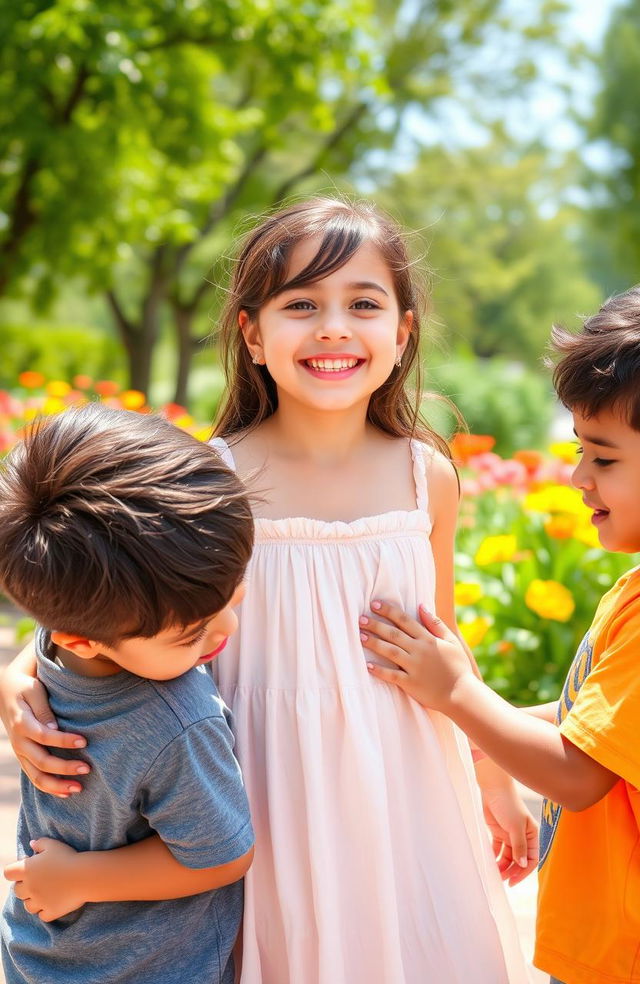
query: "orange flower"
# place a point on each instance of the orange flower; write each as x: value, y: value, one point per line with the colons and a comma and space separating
x: 106, y: 387
x: 465, y: 446
x: 530, y: 459
x: 31, y: 380
x: 562, y: 526
x: 132, y: 399
x: 82, y: 382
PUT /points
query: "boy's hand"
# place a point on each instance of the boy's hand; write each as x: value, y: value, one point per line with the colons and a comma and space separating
x: 430, y: 658
x: 43, y: 881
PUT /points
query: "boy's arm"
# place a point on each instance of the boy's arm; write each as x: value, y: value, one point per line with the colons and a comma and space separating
x: 545, y: 712
x: 434, y: 669
x: 57, y: 879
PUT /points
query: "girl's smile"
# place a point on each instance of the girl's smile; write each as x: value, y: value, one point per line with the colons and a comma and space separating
x: 331, y: 366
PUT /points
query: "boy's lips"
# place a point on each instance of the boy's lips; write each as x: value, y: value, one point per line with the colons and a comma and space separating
x: 598, y: 514
x: 212, y: 655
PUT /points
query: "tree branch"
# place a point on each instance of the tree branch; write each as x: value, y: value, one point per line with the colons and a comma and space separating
x: 314, y: 164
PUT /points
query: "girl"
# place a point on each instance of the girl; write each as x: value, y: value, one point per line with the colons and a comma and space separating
x: 372, y: 861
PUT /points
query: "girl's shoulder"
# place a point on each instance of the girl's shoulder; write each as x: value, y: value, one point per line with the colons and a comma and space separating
x: 440, y: 477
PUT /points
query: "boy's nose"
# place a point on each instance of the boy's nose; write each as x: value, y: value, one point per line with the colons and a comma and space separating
x: 580, y: 477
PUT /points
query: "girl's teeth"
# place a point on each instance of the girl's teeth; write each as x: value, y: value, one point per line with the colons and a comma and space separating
x: 332, y: 365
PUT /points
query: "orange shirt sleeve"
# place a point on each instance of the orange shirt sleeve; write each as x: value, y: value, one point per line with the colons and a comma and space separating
x: 604, y: 721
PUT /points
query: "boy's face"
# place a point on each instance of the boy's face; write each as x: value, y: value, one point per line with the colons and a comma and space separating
x: 608, y: 475
x: 164, y: 656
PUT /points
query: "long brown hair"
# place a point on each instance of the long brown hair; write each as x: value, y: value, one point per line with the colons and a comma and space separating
x: 261, y: 273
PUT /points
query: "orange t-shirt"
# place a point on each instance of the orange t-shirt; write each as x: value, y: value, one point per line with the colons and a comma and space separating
x: 588, y: 929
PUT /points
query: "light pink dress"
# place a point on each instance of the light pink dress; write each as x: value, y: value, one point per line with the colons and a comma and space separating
x: 372, y: 863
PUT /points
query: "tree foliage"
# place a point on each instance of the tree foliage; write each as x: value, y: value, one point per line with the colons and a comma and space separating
x: 135, y: 135
x: 503, y: 269
x: 616, y: 121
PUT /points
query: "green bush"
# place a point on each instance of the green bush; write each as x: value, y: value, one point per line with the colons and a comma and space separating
x: 495, y: 397
x: 59, y: 352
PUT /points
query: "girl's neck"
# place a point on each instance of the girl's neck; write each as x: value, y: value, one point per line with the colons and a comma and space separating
x: 316, y: 436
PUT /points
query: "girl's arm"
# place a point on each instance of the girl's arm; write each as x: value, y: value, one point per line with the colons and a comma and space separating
x: 32, y: 728
x: 513, y: 829
x: 57, y: 880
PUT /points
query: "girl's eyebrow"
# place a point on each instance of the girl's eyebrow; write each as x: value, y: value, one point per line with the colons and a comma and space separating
x: 356, y: 285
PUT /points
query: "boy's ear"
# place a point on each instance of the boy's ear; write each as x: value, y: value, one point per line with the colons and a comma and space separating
x: 79, y: 645
x: 251, y: 334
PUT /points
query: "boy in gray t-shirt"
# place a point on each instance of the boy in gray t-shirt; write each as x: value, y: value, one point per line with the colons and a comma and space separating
x: 128, y: 540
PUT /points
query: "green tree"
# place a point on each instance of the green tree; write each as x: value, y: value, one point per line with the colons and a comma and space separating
x: 503, y: 268
x: 135, y: 135
x: 616, y: 121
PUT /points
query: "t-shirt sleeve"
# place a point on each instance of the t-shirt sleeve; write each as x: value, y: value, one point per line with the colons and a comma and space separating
x: 194, y: 798
x: 605, y: 716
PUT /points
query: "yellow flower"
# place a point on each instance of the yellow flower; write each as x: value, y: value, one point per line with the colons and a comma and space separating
x: 555, y: 499
x: 586, y: 533
x: 566, y: 451
x: 53, y: 405
x: 132, y: 399
x: 551, y: 600
x: 496, y: 550
x: 57, y: 388
x: 184, y: 421
x: 202, y: 434
x: 474, y: 631
x: 467, y: 593
x: 561, y: 526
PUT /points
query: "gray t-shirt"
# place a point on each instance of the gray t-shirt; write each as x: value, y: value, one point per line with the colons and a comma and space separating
x: 162, y: 762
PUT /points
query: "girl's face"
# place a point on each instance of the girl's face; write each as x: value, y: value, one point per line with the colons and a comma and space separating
x: 328, y: 345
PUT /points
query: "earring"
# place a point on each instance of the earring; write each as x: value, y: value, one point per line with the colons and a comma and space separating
x: 399, y: 361
x: 256, y: 361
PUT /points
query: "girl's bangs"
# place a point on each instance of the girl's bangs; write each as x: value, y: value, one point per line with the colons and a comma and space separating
x: 339, y: 243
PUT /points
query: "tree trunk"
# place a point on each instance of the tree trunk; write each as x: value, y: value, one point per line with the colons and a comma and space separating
x: 182, y: 319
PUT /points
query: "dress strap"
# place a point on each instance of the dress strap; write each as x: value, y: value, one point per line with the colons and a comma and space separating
x: 220, y: 445
x: 419, y: 450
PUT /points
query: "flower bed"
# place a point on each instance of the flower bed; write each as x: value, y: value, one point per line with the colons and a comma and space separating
x: 530, y: 567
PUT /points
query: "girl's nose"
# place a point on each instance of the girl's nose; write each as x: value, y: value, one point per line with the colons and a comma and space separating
x: 333, y: 326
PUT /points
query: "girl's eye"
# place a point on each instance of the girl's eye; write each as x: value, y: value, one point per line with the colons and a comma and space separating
x: 299, y: 306
x: 365, y: 305
x: 603, y: 462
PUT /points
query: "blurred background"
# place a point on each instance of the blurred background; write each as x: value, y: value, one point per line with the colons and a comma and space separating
x: 138, y: 141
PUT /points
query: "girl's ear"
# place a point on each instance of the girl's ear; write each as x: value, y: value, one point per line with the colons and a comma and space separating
x: 404, y: 330
x: 251, y: 334
x: 78, y: 645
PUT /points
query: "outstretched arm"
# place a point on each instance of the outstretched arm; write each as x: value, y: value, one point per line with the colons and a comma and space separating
x: 433, y: 668
x: 32, y: 729
x: 56, y: 879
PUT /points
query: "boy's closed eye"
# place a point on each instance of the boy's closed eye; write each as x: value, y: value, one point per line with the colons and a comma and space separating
x: 601, y: 462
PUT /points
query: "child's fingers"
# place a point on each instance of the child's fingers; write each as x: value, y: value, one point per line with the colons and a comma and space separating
x: 388, y: 675
x: 410, y: 626
x: 434, y: 624
x: 15, y: 871
x: 388, y: 650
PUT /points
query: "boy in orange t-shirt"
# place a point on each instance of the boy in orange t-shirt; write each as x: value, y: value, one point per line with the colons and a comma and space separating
x: 583, y: 752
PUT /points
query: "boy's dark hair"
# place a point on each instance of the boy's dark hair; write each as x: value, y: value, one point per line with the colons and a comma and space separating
x: 115, y: 524
x: 600, y: 365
